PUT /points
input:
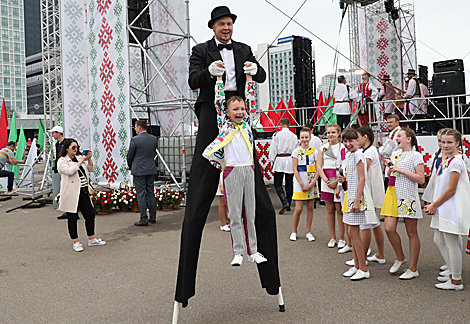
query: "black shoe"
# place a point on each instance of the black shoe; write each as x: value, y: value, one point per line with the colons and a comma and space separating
x: 63, y: 216
x: 322, y: 203
x: 382, y: 219
x: 288, y: 208
x: 284, y: 208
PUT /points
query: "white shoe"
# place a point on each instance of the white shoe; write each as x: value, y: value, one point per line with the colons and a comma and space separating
x: 396, y: 265
x: 443, y: 279
x: 332, y: 243
x: 237, y: 260
x: 408, y: 274
x: 361, y: 275
x: 375, y: 259
x: 225, y: 228
x: 351, y: 272
x: 445, y: 273
x: 448, y: 285
x: 341, y: 244
x: 77, y: 247
x: 293, y: 237
x: 444, y: 267
x: 345, y: 249
x: 96, y: 242
x: 310, y: 237
x: 369, y: 252
x: 257, y: 257
x: 351, y: 262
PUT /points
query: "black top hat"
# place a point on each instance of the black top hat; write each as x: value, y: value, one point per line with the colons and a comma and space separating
x: 386, y: 77
x: 219, y: 12
x: 411, y: 71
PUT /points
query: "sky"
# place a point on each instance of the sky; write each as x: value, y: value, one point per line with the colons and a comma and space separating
x: 442, y: 28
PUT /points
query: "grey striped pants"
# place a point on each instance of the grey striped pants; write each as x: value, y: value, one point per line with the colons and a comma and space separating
x: 239, y: 192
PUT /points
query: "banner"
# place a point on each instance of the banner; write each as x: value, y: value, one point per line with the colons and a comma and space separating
x: 108, y: 100
x: 75, y: 51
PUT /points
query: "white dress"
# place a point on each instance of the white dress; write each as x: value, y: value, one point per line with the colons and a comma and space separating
x: 407, y: 191
x: 306, y: 159
x: 330, y: 158
x: 453, y: 214
x: 374, y: 178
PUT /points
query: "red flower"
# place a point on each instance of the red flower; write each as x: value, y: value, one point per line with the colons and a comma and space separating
x: 102, y: 203
x: 176, y: 199
x: 135, y: 203
x: 109, y: 200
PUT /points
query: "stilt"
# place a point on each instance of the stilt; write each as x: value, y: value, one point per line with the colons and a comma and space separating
x: 280, y: 300
x: 176, y: 312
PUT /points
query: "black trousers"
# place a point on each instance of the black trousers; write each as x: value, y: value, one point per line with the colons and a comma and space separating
x: 278, y: 177
x: 88, y: 212
x: 203, y: 183
x: 343, y: 120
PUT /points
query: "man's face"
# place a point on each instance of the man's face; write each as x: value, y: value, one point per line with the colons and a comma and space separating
x: 11, y: 147
x: 223, y: 29
x: 55, y: 135
x: 392, y: 123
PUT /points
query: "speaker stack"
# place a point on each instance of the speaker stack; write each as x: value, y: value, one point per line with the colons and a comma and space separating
x: 143, y: 21
x: 448, y: 79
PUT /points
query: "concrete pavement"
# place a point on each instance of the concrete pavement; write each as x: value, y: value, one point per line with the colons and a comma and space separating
x: 132, y: 278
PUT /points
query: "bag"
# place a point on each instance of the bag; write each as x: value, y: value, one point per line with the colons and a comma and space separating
x: 91, y: 190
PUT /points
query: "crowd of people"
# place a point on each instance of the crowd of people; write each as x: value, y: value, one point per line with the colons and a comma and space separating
x: 361, y: 182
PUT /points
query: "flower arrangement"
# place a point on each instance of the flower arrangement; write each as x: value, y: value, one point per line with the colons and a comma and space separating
x: 104, y: 201
x: 169, y: 197
x: 132, y: 198
x: 122, y: 197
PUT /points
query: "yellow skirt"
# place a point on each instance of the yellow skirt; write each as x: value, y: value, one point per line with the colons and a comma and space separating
x: 389, y: 206
x: 303, y: 195
x: 344, y: 207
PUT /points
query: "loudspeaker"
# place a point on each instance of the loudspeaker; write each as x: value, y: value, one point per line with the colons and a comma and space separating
x: 423, y: 74
x: 448, y: 83
x: 450, y: 65
x: 135, y: 7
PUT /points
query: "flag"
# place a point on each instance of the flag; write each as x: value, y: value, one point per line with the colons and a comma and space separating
x: 32, y: 156
x: 291, y: 114
x: 264, y: 120
x: 19, y: 151
x: 13, y: 136
x: 320, y: 104
x: 273, y: 116
x: 3, y: 126
x: 41, y: 135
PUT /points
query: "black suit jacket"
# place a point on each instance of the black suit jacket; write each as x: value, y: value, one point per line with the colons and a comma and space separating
x: 200, y: 78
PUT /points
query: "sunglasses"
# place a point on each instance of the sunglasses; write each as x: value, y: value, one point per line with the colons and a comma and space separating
x: 74, y: 147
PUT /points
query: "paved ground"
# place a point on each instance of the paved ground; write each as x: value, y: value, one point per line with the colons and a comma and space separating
x: 132, y: 279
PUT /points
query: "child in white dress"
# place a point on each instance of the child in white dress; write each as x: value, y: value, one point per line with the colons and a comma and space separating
x: 450, y: 205
x: 305, y: 178
x: 402, y: 200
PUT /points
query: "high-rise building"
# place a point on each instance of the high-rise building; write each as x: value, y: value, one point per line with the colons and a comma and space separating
x: 329, y: 81
x: 280, y: 61
x: 13, y: 71
x: 32, y: 27
x: 34, y: 87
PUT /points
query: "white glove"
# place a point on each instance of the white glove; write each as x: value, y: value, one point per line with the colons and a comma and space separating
x: 216, y: 70
x: 253, y: 69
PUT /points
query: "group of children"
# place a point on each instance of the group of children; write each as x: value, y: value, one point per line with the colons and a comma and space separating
x: 352, y: 188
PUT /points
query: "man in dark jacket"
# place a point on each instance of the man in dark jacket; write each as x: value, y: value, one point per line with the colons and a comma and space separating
x: 204, y: 178
x: 140, y: 159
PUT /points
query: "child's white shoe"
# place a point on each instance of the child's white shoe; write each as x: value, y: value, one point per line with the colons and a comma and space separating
x: 257, y: 257
x: 237, y: 260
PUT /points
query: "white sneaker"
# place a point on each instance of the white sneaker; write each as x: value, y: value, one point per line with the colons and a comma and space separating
x: 359, y: 275
x: 443, y: 279
x: 351, y: 272
x: 375, y: 259
x: 408, y: 274
x: 445, y: 273
x: 341, y: 244
x: 257, y: 257
x: 225, y: 228
x: 310, y: 237
x: 448, y: 285
x: 369, y: 252
x: 345, y: 249
x: 96, y: 242
x: 332, y: 243
x: 396, y: 265
x: 237, y: 260
x: 444, y: 267
x: 351, y: 262
x: 293, y: 237
x: 77, y: 247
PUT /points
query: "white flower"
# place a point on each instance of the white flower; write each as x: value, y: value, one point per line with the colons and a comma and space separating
x: 160, y: 198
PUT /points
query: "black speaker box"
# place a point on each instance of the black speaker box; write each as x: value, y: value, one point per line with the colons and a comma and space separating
x: 450, y: 65
x: 448, y: 83
x: 135, y: 7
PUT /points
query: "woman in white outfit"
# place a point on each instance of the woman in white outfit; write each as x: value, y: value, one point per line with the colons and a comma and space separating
x: 451, y: 205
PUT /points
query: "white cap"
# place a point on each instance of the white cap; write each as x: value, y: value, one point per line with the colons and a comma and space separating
x: 57, y: 129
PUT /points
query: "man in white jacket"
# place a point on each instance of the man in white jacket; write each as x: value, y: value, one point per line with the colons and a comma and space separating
x: 283, y: 144
x: 343, y: 95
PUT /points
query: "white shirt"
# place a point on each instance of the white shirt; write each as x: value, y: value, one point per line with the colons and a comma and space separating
x: 237, y: 152
x: 315, y: 142
x: 410, y: 91
x: 283, y: 142
x: 341, y: 94
x: 229, y: 64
